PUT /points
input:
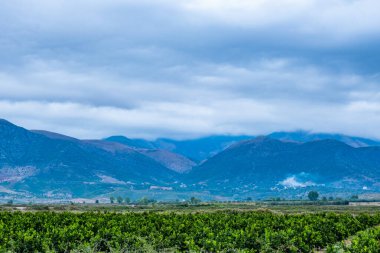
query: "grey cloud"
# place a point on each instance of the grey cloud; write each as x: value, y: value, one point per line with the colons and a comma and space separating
x: 190, y: 68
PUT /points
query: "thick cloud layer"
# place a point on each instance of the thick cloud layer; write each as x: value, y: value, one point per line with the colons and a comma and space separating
x: 190, y: 68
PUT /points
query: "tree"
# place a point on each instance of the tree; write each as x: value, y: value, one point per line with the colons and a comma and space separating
x: 194, y: 200
x: 354, y: 197
x: 112, y: 200
x: 97, y: 201
x: 127, y: 200
x: 119, y: 200
x: 313, y: 195
x: 144, y: 201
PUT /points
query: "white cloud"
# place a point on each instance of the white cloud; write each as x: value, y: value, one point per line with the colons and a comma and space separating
x: 313, y: 22
x: 263, y: 96
x: 190, y: 68
x: 292, y: 182
x: 337, y: 20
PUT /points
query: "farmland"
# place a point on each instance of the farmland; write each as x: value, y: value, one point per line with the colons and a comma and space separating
x: 234, y: 227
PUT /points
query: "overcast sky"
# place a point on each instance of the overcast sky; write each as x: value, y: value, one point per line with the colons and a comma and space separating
x: 189, y: 68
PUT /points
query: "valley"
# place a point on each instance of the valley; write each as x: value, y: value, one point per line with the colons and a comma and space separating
x: 45, y: 166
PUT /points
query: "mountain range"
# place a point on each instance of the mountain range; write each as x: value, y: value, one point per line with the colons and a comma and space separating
x: 196, y: 150
x: 269, y: 165
x: 37, y: 164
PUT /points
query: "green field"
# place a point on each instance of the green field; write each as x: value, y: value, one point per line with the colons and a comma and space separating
x: 228, y: 227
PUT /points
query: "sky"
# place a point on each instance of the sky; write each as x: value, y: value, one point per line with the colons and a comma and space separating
x: 189, y: 68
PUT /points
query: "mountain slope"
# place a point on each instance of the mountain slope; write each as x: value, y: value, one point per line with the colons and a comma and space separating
x: 199, y: 149
x: 41, y: 163
x: 196, y: 150
x: 133, y: 143
x: 264, y: 163
x: 49, y: 165
x: 175, y: 162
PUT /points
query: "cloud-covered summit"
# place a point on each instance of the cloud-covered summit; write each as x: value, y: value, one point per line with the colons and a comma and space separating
x: 190, y: 68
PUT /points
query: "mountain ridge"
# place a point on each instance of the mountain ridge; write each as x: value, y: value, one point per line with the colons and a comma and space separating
x: 56, y: 164
x: 43, y: 164
x: 307, y: 136
x: 267, y: 163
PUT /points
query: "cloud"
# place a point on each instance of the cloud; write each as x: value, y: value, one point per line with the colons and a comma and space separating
x: 190, y: 68
x: 292, y: 182
x: 264, y: 96
x: 304, y: 17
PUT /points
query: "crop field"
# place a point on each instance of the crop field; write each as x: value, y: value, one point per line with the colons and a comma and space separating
x: 203, y: 228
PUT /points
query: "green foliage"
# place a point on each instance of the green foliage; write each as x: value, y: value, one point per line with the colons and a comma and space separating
x: 364, y: 242
x: 144, y: 201
x: 112, y: 200
x: 313, y: 195
x: 221, y: 231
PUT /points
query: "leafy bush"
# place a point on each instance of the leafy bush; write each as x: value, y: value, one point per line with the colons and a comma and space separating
x: 227, y: 231
x: 364, y: 242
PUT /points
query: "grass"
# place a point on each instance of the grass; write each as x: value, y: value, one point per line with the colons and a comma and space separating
x: 281, y: 207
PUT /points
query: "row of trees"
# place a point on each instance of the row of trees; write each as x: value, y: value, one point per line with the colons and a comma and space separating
x: 127, y: 200
x: 120, y: 200
x: 144, y: 201
x: 314, y: 195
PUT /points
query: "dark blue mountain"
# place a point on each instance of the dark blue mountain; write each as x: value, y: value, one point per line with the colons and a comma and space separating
x: 48, y: 164
x: 201, y: 148
x: 265, y: 164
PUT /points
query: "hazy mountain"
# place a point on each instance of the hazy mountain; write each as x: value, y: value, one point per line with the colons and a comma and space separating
x: 196, y: 150
x: 170, y: 160
x: 305, y: 136
x: 134, y: 143
x: 44, y: 163
x: 266, y: 164
x: 50, y: 165
x: 202, y: 148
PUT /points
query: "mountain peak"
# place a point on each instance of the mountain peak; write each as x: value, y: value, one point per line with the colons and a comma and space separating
x: 7, y: 128
x: 262, y: 138
x: 258, y: 140
x: 5, y: 123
